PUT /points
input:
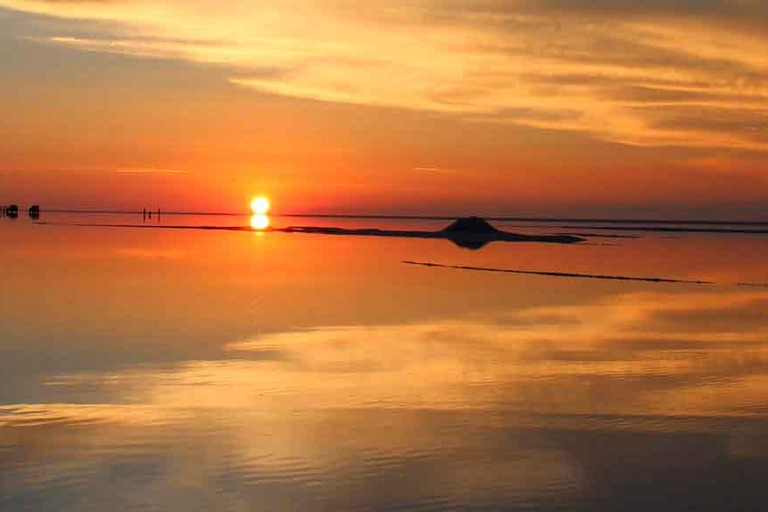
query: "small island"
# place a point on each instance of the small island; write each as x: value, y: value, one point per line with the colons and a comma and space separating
x: 467, y: 232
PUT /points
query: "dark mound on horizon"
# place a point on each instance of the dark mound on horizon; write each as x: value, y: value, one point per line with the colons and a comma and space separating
x: 475, y: 233
x: 474, y: 225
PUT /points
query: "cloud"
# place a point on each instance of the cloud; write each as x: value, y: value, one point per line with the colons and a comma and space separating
x: 431, y: 169
x: 140, y: 170
x: 659, y: 73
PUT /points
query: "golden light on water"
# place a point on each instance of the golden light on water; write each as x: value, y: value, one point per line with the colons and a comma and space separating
x: 259, y: 222
x: 260, y: 205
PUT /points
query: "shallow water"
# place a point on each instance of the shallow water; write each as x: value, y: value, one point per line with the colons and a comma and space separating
x: 152, y: 369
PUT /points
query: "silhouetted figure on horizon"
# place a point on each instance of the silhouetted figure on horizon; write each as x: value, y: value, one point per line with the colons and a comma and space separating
x: 12, y: 211
x: 34, y: 212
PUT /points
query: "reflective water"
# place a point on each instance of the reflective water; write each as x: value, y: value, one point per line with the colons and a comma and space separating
x: 152, y: 369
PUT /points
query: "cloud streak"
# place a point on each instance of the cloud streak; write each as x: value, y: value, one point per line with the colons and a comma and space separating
x: 660, y: 73
x: 150, y: 171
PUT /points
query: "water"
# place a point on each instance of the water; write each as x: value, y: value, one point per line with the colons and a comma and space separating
x: 149, y: 369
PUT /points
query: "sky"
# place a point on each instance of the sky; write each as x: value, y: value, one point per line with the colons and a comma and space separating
x: 520, y: 107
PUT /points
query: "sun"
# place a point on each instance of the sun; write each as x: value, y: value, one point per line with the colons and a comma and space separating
x: 260, y: 205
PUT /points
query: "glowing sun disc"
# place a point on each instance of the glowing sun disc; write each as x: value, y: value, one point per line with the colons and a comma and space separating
x: 260, y: 205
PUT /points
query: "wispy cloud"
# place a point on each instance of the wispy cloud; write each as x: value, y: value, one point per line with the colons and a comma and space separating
x: 150, y: 171
x: 660, y: 73
x: 430, y: 169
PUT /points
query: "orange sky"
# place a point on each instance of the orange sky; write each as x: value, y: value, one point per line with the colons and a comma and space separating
x: 498, y: 107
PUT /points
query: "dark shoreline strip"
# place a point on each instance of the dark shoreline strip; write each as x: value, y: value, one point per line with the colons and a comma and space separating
x: 651, y: 222
x: 149, y: 226
x: 561, y: 274
x: 753, y: 285
x: 674, y: 230
x: 496, y: 218
x: 418, y: 263
x: 458, y: 238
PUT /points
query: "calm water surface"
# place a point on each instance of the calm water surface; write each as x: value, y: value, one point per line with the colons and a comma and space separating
x: 149, y: 369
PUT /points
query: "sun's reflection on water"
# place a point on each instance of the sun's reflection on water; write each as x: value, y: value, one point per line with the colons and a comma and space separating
x: 259, y: 222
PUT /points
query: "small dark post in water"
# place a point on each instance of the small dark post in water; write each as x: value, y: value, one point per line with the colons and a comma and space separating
x: 34, y: 212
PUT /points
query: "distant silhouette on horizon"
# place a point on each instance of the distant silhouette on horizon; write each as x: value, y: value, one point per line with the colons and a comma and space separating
x: 11, y: 211
x: 467, y: 232
x: 471, y: 232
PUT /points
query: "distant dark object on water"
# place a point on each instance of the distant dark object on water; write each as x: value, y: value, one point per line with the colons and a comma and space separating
x: 470, y: 232
x: 34, y: 212
x: 475, y: 233
x: 467, y: 232
x: 470, y: 225
x: 146, y: 214
x: 11, y: 211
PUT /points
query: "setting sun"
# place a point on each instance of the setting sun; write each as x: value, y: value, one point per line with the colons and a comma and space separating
x: 260, y: 205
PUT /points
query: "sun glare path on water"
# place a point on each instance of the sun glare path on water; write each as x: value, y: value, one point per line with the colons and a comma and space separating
x: 260, y: 205
x: 259, y: 222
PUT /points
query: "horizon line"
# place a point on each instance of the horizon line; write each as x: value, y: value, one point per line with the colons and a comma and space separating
x: 495, y: 218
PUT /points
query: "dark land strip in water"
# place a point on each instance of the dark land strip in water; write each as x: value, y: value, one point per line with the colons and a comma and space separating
x: 497, y: 218
x: 575, y: 275
x: 417, y: 234
x: 507, y: 218
x: 597, y: 235
x: 139, y: 212
x: 667, y: 229
x: 470, y: 233
x: 149, y: 226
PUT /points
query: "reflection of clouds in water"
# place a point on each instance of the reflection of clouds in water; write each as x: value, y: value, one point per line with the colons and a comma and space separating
x: 574, y: 359
x: 347, y: 459
x: 498, y: 409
